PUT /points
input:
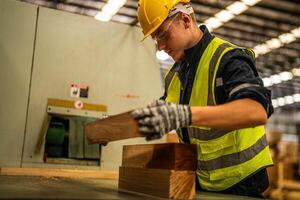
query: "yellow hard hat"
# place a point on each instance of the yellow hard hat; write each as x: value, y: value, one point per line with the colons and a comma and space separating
x: 152, y: 13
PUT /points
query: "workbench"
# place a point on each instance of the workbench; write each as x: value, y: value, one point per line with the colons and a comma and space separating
x: 34, y: 187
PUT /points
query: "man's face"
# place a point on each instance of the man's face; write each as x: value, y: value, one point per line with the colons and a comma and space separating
x: 171, y: 37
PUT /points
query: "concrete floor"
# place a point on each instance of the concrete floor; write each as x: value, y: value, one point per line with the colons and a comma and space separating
x: 26, y: 187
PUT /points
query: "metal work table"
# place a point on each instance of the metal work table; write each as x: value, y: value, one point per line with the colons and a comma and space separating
x: 32, y: 187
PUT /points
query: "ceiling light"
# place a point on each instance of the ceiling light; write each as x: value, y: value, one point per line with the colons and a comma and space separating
x: 275, y: 103
x: 281, y: 101
x: 118, y: 3
x: 275, y: 79
x: 105, y: 17
x: 274, y: 43
x: 109, y: 9
x: 296, y: 32
x: 282, y: 76
x: 237, y: 8
x: 224, y: 15
x: 296, y: 71
x: 250, y: 2
x: 213, y: 23
x: 267, y: 82
x: 228, y: 13
x: 261, y: 49
x: 285, y: 76
x: 287, y: 38
x: 289, y: 99
x: 296, y: 97
x: 162, y: 55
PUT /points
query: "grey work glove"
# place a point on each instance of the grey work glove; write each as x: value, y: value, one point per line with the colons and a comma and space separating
x: 161, y: 117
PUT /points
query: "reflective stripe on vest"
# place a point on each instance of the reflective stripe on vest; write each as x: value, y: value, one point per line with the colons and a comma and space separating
x: 212, y: 67
x: 235, y: 158
x: 202, y: 134
x: 211, y: 133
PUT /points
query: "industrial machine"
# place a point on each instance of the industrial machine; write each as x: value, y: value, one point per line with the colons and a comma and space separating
x: 63, y: 132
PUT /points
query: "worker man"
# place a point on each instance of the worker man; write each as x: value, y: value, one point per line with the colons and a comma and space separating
x: 213, y: 97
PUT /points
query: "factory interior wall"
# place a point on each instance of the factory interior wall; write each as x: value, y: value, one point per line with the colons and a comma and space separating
x: 17, y: 31
x: 121, y: 73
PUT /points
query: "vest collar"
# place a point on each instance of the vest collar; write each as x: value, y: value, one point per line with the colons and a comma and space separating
x: 192, y: 54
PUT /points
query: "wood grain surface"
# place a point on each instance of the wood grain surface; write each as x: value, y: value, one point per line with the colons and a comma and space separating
x: 117, y: 127
x: 53, y: 172
x: 161, y: 156
x: 158, y: 182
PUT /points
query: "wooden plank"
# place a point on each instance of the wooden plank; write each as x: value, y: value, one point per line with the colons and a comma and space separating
x: 158, y: 182
x: 161, y: 156
x: 69, y: 173
x: 117, y: 127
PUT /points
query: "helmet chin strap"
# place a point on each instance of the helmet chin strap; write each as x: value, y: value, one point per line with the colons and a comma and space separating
x: 180, y: 7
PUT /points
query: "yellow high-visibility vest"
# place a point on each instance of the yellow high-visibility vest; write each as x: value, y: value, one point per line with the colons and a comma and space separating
x: 224, y: 157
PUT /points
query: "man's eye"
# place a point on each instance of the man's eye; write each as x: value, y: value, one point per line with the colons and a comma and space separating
x: 163, y: 36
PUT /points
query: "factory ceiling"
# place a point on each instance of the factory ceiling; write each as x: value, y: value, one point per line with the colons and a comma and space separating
x: 270, y: 27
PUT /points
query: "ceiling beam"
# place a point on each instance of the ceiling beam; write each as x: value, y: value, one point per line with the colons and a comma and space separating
x: 273, y: 15
x: 284, y: 5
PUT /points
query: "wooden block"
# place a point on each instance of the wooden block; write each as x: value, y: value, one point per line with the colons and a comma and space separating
x: 161, y: 156
x: 158, y: 182
x: 116, y: 127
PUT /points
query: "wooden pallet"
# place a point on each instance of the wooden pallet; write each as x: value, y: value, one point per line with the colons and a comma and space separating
x: 287, y: 188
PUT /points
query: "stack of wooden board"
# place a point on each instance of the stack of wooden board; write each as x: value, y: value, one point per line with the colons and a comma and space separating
x: 164, y: 170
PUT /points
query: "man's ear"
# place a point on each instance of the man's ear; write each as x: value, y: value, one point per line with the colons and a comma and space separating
x: 187, y: 20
